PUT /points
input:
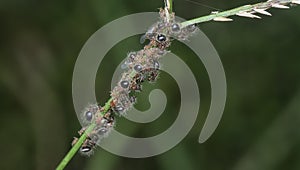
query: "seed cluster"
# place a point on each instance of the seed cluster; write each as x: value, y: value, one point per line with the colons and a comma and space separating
x: 259, y: 8
x: 140, y: 66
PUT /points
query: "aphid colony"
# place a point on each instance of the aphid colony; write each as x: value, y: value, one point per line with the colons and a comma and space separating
x: 140, y: 66
x: 104, y: 124
x: 144, y: 66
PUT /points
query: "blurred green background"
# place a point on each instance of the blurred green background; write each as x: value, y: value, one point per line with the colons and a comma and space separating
x: 40, y: 41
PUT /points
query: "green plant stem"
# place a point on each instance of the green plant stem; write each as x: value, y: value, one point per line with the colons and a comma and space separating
x: 80, y: 141
x: 168, y: 5
x: 74, y: 149
x: 234, y: 11
x: 212, y: 16
x: 83, y: 137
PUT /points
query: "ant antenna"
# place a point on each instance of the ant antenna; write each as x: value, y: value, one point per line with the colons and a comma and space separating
x: 201, y: 4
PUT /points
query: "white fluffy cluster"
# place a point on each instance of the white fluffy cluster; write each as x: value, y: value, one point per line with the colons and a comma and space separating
x: 139, y: 67
x: 103, y: 125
